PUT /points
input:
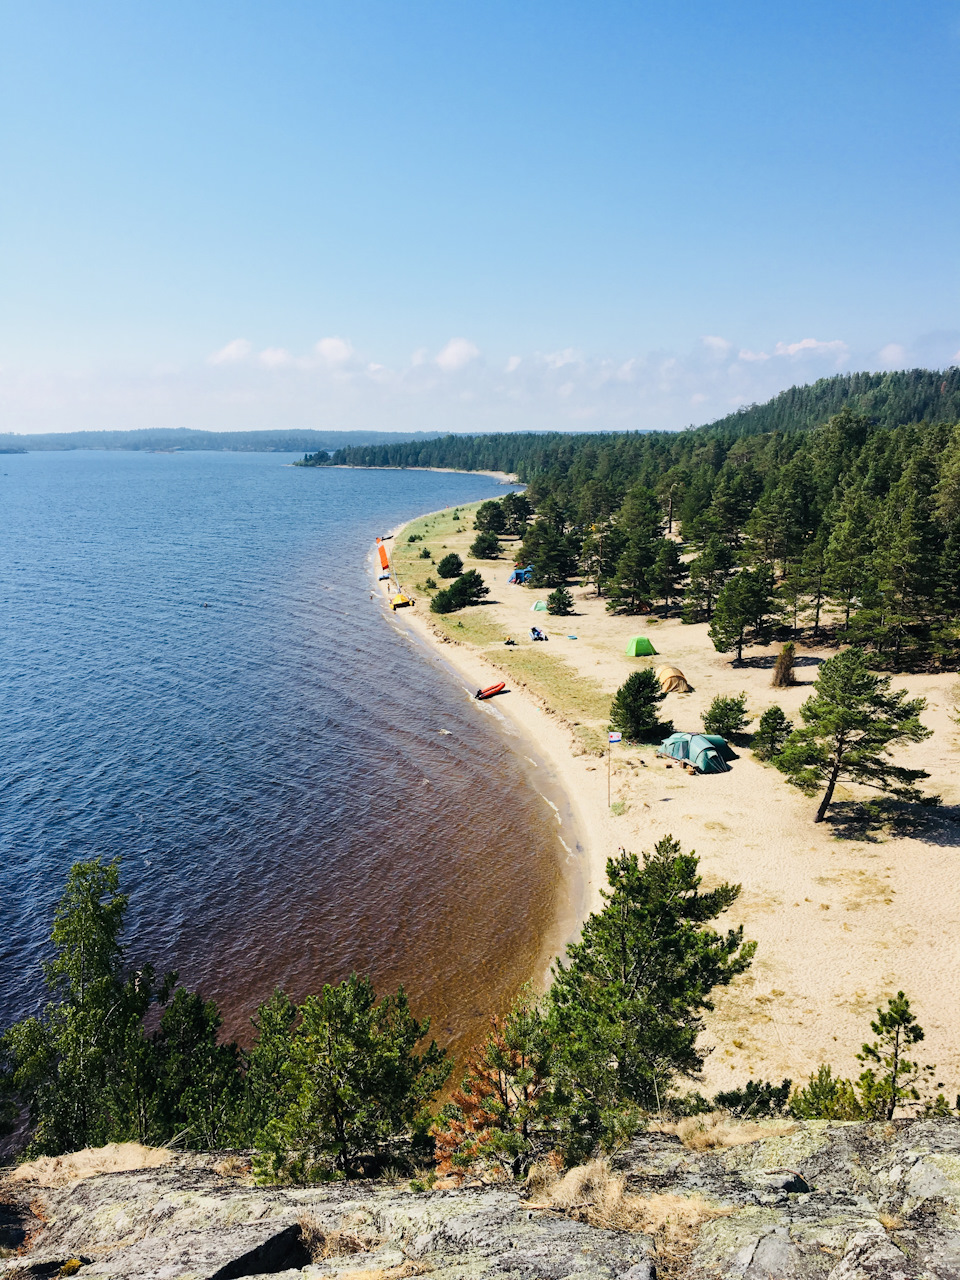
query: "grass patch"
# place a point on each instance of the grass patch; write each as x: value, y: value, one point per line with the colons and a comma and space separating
x: 469, y: 625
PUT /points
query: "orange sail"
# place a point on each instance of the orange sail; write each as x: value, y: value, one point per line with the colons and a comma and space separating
x: 384, y: 562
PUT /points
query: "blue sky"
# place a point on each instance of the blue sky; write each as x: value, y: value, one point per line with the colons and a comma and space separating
x: 468, y: 216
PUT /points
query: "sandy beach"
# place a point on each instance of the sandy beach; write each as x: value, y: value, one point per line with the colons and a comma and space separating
x: 842, y: 919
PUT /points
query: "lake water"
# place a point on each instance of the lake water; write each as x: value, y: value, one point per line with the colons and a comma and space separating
x: 195, y: 677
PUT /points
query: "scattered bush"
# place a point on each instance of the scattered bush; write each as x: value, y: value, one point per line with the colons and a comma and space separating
x: 783, y: 671
x: 430, y: 584
x: 425, y: 554
x: 560, y: 603
x: 635, y: 708
x: 757, y: 1099
x: 772, y: 732
x: 415, y: 537
x: 485, y: 546
x: 451, y: 566
x: 463, y: 591
x: 727, y: 716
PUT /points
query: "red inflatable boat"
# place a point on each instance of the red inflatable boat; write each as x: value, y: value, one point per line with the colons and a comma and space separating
x: 490, y: 690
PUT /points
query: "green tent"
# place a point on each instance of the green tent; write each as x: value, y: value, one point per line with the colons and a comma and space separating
x: 640, y: 647
x: 705, y: 752
x: 539, y: 606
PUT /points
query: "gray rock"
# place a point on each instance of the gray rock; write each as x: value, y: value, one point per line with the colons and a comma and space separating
x: 826, y: 1201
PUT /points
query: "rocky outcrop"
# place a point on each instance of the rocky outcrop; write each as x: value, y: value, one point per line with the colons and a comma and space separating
x: 824, y: 1202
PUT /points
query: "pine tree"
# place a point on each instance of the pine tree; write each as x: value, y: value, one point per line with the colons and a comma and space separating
x: 847, y: 559
x: 485, y: 546
x: 357, y: 1083
x: 665, y: 576
x: 490, y: 518
x: 560, y: 603
x: 772, y: 732
x: 626, y: 1008
x: 850, y: 723
x: 517, y: 512
x: 708, y: 574
x: 602, y: 547
x: 629, y: 591
x: 745, y: 603
x: 636, y: 705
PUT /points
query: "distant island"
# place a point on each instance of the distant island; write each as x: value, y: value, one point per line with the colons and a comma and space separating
x: 149, y: 439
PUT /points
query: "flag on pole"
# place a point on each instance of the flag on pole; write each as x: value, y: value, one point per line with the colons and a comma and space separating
x: 616, y: 737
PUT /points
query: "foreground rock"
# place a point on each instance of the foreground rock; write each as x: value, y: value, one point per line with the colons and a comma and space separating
x: 837, y: 1201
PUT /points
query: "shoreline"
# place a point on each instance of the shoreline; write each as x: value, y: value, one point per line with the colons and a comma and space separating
x: 502, y: 477
x: 544, y: 741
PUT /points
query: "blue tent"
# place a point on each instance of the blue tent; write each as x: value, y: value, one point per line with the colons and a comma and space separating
x: 521, y: 575
x: 702, y: 750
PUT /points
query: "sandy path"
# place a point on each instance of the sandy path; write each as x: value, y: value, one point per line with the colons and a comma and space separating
x: 841, y: 923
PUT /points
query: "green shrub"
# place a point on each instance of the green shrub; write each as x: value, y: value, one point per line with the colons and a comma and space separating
x: 451, y: 566
x: 772, y: 732
x: 425, y: 554
x: 560, y: 603
x: 485, y: 546
x: 430, y: 584
x: 466, y: 590
x: 727, y: 716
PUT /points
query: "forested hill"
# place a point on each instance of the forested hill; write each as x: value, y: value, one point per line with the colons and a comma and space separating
x: 885, y: 399
x: 164, y: 438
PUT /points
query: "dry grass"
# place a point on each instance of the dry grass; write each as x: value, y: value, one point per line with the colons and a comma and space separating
x: 353, y: 1235
x: 717, y: 1131
x: 408, y: 1268
x: 233, y: 1167
x: 594, y: 1193
x: 116, y: 1157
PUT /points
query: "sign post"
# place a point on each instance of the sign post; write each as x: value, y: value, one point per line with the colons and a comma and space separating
x: 611, y: 738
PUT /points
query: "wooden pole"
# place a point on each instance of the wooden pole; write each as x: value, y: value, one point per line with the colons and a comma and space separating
x: 609, y: 753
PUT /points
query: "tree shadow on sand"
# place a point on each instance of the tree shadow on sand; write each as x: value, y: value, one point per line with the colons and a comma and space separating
x: 876, y: 821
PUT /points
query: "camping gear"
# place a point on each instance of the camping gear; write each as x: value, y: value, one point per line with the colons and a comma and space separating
x: 490, y: 690
x: 384, y: 562
x: 400, y: 600
x: 537, y: 634
x: 384, y: 577
x: 521, y: 575
x: 640, y: 647
x: 539, y: 606
x: 672, y: 680
x: 698, y: 750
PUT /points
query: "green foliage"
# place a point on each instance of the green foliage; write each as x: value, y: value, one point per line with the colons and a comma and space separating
x: 517, y: 512
x: 888, y: 1082
x: 550, y: 551
x: 430, y: 584
x: 425, y: 553
x: 635, y: 708
x: 486, y: 546
x: 560, y: 603
x: 451, y: 566
x: 626, y: 1009
x: 630, y: 588
x: 758, y: 1099
x: 415, y: 537
x: 463, y: 591
x: 197, y: 1089
x: 727, y: 716
x: 772, y: 732
x: 709, y: 573
x: 356, y: 1083
x: 503, y: 1114
x: 826, y: 1097
x: 490, y: 518
x: 850, y: 723
x: 745, y: 602
x: 268, y: 1089
x: 667, y: 573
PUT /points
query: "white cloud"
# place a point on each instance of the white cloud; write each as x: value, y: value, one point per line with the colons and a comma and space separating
x: 275, y: 358
x: 810, y: 345
x: 235, y: 351
x: 513, y: 364
x: 893, y: 354
x: 419, y: 357
x: 334, y: 351
x: 557, y: 359
x: 457, y: 354
x: 752, y: 356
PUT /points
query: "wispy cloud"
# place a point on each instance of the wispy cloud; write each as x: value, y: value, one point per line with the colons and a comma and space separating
x: 332, y: 383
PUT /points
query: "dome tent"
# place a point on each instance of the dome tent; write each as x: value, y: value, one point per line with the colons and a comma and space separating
x: 697, y: 749
x: 672, y: 680
x: 640, y: 647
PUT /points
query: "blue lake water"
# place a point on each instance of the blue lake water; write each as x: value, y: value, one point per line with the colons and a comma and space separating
x: 194, y: 677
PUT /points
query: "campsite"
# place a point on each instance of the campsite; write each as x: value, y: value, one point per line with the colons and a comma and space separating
x: 839, y: 911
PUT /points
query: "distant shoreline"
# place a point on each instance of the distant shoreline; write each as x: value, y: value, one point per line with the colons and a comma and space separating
x: 502, y: 477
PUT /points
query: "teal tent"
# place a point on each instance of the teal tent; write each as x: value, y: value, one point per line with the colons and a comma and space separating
x: 640, y: 647
x: 704, y: 751
x: 539, y: 606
